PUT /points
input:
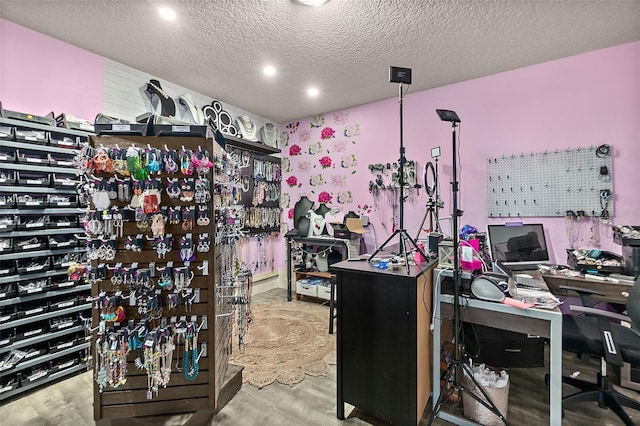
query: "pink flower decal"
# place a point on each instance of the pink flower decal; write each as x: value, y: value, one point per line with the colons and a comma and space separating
x: 304, y: 135
x: 292, y: 127
x: 324, y: 197
x: 294, y: 150
x: 327, y: 133
x: 325, y: 161
x: 292, y: 181
x: 290, y: 214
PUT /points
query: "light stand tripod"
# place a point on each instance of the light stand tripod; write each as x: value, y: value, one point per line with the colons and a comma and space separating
x: 433, y: 205
x: 401, y: 232
x: 458, y: 368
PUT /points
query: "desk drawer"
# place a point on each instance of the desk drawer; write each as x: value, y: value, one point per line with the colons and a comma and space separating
x: 503, y: 349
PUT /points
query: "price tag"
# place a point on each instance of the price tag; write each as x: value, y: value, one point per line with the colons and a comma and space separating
x: 33, y: 311
x: 64, y: 345
x: 34, y: 160
x: 30, y: 246
x: 34, y: 290
x: 4, y: 271
x: 3, y: 295
x: 31, y: 354
x: 148, y: 343
x: 65, y: 325
x: 3, y: 226
x: 30, y: 138
x: 61, y: 204
x: 4, y: 157
x: 181, y: 129
x: 65, y: 143
x: 32, y: 203
x: 34, y: 181
x: 65, y: 284
x: 35, y: 225
x: 7, y: 388
x: 121, y: 127
x: 33, y: 332
x: 66, y: 163
x: 34, y: 268
x: 114, y: 345
x: 65, y: 305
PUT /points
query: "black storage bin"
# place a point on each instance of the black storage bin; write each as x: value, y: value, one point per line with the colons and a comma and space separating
x: 503, y: 349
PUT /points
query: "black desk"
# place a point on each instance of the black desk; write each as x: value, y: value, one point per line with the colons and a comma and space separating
x: 384, y: 343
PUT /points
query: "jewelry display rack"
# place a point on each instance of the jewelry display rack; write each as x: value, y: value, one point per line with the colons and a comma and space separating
x: 42, y: 297
x: 208, y: 383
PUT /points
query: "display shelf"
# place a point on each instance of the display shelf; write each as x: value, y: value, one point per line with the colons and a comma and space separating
x: 37, y: 126
x: 45, y: 274
x: 51, y: 378
x: 314, y: 274
x: 42, y: 338
x: 41, y: 171
x: 57, y: 231
x: 34, y: 318
x: 37, y: 190
x: 40, y: 253
x: 36, y: 168
x: 44, y: 210
x: 45, y: 295
x: 256, y: 147
x: 44, y: 358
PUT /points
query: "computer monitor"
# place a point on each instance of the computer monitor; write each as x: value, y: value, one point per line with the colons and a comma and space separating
x: 518, y: 244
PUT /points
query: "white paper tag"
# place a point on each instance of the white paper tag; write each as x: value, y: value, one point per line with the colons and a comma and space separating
x: 34, y: 160
x: 64, y: 345
x: 65, y: 284
x: 34, y: 268
x: 34, y: 182
x: 180, y: 129
x: 61, y: 204
x: 33, y: 332
x: 34, y: 290
x: 3, y: 295
x: 32, y: 203
x: 30, y: 246
x: 121, y: 127
x: 33, y: 311
x: 65, y: 305
x: 65, y: 325
x: 34, y: 225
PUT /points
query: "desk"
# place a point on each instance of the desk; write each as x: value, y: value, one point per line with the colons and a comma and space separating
x: 384, y: 340
x: 542, y: 322
x: 613, y: 292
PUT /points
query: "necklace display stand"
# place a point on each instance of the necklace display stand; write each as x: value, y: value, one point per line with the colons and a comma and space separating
x: 197, y: 117
x: 168, y: 106
x: 269, y: 134
x: 247, y: 127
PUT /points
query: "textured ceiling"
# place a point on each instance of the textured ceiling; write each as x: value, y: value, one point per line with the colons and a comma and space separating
x: 345, y: 47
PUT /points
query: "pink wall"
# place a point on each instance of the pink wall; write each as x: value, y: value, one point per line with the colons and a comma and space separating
x: 584, y: 100
x: 39, y: 74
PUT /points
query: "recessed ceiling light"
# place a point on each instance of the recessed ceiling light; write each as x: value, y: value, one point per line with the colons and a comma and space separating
x: 269, y: 70
x: 313, y: 2
x: 313, y: 92
x: 167, y: 13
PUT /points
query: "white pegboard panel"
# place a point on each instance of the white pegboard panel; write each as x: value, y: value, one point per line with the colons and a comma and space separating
x: 548, y: 183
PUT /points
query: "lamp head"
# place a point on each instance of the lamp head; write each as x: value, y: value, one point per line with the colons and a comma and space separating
x: 447, y: 115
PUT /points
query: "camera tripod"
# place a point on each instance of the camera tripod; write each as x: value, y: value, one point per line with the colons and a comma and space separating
x: 458, y: 369
x: 401, y: 233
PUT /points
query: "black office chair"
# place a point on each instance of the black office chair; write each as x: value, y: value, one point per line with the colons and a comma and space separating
x: 599, y: 333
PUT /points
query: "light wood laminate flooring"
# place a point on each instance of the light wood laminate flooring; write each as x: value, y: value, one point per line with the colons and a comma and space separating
x: 311, y: 402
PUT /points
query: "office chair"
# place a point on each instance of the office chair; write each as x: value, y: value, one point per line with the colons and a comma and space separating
x: 599, y: 333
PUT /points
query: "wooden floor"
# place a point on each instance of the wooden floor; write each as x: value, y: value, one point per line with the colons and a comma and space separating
x: 311, y: 402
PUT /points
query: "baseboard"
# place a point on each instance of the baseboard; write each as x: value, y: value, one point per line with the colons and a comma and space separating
x: 268, y: 281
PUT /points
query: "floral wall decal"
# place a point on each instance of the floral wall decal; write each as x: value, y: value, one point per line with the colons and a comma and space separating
x: 322, y: 162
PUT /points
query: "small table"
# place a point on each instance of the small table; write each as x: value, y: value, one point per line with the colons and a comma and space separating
x: 542, y: 322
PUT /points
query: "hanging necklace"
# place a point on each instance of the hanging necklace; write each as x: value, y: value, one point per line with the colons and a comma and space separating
x: 191, y: 369
x: 269, y: 133
x: 247, y: 127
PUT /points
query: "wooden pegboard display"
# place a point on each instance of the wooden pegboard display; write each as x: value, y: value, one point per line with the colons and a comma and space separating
x: 550, y: 183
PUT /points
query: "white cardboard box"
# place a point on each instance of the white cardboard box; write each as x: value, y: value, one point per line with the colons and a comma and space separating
x: 324, y: 292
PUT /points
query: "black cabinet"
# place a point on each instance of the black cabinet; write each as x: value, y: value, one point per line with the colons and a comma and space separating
x: 384, y: 342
